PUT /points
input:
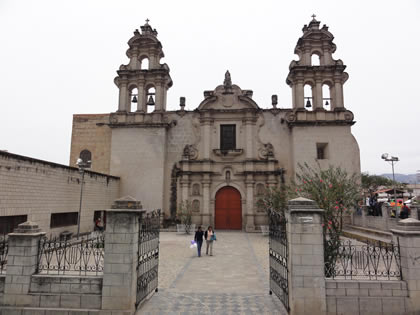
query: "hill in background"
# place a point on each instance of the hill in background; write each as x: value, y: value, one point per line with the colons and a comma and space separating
x: 404, y: 178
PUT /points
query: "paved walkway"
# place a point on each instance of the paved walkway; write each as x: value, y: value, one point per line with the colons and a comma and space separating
x: 232, y: 281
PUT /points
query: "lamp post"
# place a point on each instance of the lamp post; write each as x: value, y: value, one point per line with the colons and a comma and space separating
x: 82, y: 166
x: 392, y: 159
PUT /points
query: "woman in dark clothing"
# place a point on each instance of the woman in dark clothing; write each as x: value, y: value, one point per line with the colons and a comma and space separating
x: 199, y: 234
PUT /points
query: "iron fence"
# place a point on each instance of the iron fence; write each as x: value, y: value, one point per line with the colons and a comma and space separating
x: 148, y: 255
x: 371, y: 260
x: 83, y: 256
x: 278, y: 257
x: 4, y: 249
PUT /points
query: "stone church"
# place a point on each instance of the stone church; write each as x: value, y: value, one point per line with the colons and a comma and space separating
x: 221, y: 155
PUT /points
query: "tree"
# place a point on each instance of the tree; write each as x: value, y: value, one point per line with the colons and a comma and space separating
x: 371, y: 183
x: 185, y: 214
x: 334, y: 190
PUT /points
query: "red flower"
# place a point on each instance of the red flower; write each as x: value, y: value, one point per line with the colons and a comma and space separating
x: 336, y: 207
x: 330, y: 185
x: 320, y: 180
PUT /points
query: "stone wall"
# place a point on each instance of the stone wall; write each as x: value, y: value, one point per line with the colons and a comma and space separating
x: 366, y: 297
x: 90, y: 132
x: 39, y: 188
x: 66, y: 291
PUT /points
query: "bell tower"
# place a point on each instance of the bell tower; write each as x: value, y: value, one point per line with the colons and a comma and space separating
x: 143, y: 82
x: 316, y: 78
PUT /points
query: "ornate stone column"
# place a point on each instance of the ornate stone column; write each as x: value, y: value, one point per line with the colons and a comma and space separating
x: 300, y: 101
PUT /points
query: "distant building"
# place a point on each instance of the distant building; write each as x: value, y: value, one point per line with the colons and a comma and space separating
x: 222, y: 155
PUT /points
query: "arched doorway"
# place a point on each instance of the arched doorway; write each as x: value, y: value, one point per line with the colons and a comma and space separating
x: 228, y: 211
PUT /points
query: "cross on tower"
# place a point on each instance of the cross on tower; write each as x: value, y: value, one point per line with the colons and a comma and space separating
x: 313, y: 16
x: 147, y: 21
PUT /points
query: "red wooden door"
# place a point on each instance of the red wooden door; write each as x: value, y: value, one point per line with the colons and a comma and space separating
x: 228, y: 212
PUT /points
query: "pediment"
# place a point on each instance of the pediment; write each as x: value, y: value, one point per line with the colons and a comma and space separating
x: 231, y: 98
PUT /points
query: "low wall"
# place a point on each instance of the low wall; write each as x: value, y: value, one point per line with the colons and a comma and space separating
x: 66, y: 291
x: 39, y: 188
x: 366, y: 297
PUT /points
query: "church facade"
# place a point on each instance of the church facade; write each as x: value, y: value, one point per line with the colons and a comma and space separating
x: 222, y: 155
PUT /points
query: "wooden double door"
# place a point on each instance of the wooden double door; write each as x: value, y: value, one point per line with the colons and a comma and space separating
x: 228, y: 210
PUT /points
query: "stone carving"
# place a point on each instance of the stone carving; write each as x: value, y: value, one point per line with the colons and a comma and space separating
x: 266, y: 151
x: 196, y: 206
x: 196, y: 190
x: 227, y: 83
x: 190, y: 152
x: 260, y: 189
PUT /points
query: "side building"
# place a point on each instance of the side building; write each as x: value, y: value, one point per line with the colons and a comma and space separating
x: 222, y: 155
x: 49, y: 194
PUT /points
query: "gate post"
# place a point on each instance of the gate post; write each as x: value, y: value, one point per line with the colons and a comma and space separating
x: 407, y: 236
x: 120, y: 260
x: 306, y: 260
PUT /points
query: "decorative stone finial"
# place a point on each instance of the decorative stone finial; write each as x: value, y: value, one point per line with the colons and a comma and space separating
x: 182, y: 102
x: 274, y: 100
x: 228, y: 81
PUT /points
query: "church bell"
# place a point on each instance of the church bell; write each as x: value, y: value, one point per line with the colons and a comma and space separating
x: 308, y: 103
x: 134, y: 100
x: 151, y: 101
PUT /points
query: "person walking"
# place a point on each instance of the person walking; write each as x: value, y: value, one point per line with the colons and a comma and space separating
x: 198, y: 238
x: 210, y: 236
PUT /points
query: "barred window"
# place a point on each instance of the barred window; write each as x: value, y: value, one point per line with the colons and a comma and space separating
x: 9, y: 223
x: 63, y: 219
x: 227, y: 137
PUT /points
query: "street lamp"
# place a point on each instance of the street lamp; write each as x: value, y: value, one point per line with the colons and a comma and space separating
x: 82, y: 166
x: 392, y: 159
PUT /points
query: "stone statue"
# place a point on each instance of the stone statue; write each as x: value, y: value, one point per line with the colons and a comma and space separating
x: 228, y: 81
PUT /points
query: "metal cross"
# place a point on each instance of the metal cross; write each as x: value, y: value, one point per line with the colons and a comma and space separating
x: 313, y: 16
x: 147, y: 21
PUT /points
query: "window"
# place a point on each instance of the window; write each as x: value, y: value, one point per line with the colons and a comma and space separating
x: 227, y: 137
x: 86, y: 156
x: 9, y: 223
x: 321, y: 151
x: 63, y: 219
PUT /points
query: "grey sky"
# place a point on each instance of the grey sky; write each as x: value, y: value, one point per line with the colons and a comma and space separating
x: 58, y: 58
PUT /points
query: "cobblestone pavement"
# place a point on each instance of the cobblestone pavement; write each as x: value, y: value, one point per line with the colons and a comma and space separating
x: 232, y: 281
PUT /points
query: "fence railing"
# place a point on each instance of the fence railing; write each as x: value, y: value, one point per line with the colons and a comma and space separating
x: 373, y: 261
x: 4, y: 249
x: 83, y: 256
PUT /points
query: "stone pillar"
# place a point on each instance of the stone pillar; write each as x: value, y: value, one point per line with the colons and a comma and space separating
x: 206, y: 201
x: 22, y: 262
x: 120, y: 261
x: 141, y: 103
x: 306, y: 258
x: 250, y: 139
x: 122, y: 106
x: 338, y: 95
x: 159, y: 97
x: 407, y: 234
x: 300, y: 101
x: 206, y: 123
x: 318, y: 95
x: 250, y: 222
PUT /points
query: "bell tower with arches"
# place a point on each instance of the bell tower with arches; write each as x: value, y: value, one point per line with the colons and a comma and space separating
x: 143, y: 83
x: 316, y: 78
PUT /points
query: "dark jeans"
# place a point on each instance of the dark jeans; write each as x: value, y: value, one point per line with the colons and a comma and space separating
x: 199, y: 243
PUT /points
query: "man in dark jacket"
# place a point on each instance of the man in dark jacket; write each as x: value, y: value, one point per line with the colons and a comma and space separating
x: 199, y: 234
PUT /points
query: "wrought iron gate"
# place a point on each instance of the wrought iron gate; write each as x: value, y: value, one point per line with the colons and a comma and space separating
x: 279, y: 254
x: 148, y: 255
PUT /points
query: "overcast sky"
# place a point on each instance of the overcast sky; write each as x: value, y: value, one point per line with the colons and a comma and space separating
x: 58, y: 58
